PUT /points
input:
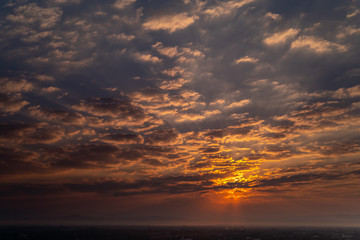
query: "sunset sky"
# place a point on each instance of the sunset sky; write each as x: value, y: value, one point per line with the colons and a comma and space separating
x: 195, y: 112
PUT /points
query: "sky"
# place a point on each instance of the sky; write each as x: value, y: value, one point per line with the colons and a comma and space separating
x: 180, y: 112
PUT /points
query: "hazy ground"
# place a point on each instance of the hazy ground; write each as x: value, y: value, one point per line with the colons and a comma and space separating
x: 220, y: 233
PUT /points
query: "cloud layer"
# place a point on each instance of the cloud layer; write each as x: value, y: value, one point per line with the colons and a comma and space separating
x: 200, y: 103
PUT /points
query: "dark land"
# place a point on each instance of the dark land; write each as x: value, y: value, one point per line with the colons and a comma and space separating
x: 178, y: 233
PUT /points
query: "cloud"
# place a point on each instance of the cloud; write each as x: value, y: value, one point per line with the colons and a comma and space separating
x: 144, y: 57
x: 177, y: 70
x: 11, y: 99
x: 241, y: 103
x: 351, y: 92
x: 189, y: 117
x: 44, y: 78
x: 111, y: 107
x: 121, y: 4
x: 163, y: 136
x: 150, y: 95
x: 353, y: 13
x: 347, y: 31
x: 17, y: 161
x: 217, y: 102
x: 166, y: 51
x: 340, y: 148
x: 121, y: 37
x: 30, y: 133
x: 192, y: 52
x: 11, y: 103
x: 67, y: 1
x: 171, y: 23
x: 15, y: 86
x: 193, y: 117
x: 229, y: 131
x: 33, y: 14
x: 281, y: 37
x: 168, y: 184
x: 317, y: 45
x: 222, y: 100
x: 153, y: 162
x: 273, y: 16
x: 246, y: 59
x: 177, y: 184
x: 84, y: 156
x: 175, y: 106
x: 173, y: 84
x: 116, y: 113
x: 225, y: 8
x: 123, y: 138
x: 154, y: 99
x: 299, y: 178
x: 183, y: 55
x: 62, y: 116
x: 50, y: 89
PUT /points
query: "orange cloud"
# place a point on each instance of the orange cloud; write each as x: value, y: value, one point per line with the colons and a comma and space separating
x: 171, y: 23
x: 317, y: 45
x: 281, y: 37
x: 241, y: 103
x: 147, y: 58
x: 246, y: 59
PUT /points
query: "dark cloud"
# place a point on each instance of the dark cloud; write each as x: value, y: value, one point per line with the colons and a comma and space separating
x: 17, y: 161
x: 341, y: 148
x: 30, y: 133
x: 12, y: 129
x: 299, y: 178
x: 84, y: 156
x: 163, y: 136
x: 170, y: 184
x: 200, y: 164
x: 210, y: 150
x: 123, y: 138
x: 31, y: 190
x: 275, y: 135
x: 219, y: 133
x: 111, y: 107
x: 57, y: 115
x: 283, y: 124
x: 103, y: 156
x: 152, y: 161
